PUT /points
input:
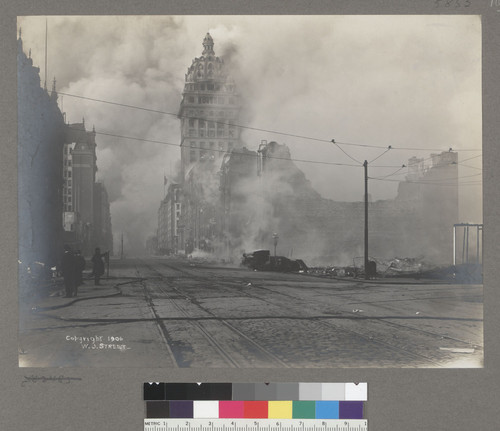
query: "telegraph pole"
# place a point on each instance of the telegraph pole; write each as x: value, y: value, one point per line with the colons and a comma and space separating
x: 365, y: 165
x: 121, y: 253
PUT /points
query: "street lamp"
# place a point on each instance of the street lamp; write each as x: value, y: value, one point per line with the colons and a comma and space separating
x: 275, y: 240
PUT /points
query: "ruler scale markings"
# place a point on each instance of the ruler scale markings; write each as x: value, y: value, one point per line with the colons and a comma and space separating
x: 256, y: 425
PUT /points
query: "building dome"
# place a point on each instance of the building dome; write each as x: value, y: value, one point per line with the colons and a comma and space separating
x: 208, y: 45
x: 208, y: 67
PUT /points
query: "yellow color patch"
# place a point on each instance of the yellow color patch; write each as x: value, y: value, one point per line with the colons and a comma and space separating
x: 280, y: 409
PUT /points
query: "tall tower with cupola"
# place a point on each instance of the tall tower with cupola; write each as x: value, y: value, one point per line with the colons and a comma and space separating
x: 209, y: 111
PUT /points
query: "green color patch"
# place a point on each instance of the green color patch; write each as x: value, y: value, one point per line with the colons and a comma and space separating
x: 304, y: 409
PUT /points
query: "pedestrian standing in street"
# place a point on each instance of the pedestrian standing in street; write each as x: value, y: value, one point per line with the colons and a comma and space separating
x: 98, y: 265
x: 80, y: 266
x: 68, y: 270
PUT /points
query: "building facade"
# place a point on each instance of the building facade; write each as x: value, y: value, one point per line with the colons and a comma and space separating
x: 209, y: 114
x: 86, y: 216
x: 41, y: 135
x: 80, y: 168
x: 103, y: 234
x: 209, y: 110
x: 169, y: 240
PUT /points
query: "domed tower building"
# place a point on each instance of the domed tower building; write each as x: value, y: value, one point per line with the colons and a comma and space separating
x: 209, y: 109
x: 209, y: 113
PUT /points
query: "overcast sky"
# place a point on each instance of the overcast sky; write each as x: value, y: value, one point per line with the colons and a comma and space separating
x: 405, y: 81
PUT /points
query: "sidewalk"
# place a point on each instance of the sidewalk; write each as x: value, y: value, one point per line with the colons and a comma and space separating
x: 56, y: 298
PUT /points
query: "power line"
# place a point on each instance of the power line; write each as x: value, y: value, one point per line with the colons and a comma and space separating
x: 432, y: 182
x: 394, y: 173
x: 380, y: 155
x: 256, y: 128
x: 348, y: 155
x: 222, y: 151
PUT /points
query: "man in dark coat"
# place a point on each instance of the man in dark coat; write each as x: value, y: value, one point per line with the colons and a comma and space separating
x: 98, y: 265
x: 80, y: 266
x: 68, y: 270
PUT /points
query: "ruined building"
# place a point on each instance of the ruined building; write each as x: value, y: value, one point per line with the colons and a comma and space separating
x: 264, y: 192
x: 232, y: 199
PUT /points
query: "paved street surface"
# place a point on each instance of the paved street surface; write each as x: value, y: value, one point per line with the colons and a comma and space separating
x: 161, y: 312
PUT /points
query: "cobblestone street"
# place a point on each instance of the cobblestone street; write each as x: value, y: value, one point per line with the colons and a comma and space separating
x: 179, y: 313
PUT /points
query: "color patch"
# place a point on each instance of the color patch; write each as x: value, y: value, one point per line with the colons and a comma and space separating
x: 154, y: 391
x: 193, y: 391
x: 280, y: 409
x: 243, y: 391
x: 310, y: 391
x: 304, y: 409
x: 332, y: 392
x: 356, y: 392
x: 181, y: 409
x: 255, y: 409
x: 265, y: 391
x: 327, y: 409
x: 157, y: 409
x: 205, y: 409
x: 351, y: 410
x: 231, y: 409
x: 287, y: 391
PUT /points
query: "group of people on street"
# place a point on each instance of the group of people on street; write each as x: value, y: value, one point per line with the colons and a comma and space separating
x: 72, y: 266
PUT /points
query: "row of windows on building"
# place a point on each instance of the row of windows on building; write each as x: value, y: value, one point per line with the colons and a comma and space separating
x: 209, y: 86
x: 212, y: 100
x: 220, y: 132
x: 201, y: 114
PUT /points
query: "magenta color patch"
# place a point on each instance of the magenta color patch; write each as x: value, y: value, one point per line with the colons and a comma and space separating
x: 231, y: 409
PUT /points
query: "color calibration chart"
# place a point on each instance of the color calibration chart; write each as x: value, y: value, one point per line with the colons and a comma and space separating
x: 255, y: 406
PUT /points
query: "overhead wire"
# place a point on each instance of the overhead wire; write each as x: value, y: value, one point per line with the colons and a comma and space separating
x: 437, y: 181
x: 257, y: 128
x: 249, y: 154
x: 380, y: 155
x: 348, y: 155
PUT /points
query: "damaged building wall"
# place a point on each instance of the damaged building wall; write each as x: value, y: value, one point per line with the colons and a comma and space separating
x: 234, y: 199
x: 417, y: 223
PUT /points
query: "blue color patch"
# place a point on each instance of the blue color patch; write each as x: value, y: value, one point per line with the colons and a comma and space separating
x: 327, y: 409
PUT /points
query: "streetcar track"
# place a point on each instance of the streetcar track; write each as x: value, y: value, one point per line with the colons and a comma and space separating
x: 376, y: 340
x: 196, y: 321
x: 383, y: 318
x: 329, y: 324
x: 161, y: 325
x: 321, y: 322
x: 222, y: 320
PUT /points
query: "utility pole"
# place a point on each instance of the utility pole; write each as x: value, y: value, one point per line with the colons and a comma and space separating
x: 365, y: 165
x: 121, y: 253
x: 275, y: 241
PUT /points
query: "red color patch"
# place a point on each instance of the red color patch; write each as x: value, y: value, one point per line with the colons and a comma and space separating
x: 256, y: 410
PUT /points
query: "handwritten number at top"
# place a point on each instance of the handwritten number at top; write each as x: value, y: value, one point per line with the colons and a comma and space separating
x: 450, y: 3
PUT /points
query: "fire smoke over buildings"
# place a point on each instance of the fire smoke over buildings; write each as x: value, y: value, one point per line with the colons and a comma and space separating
x: 409, y: 82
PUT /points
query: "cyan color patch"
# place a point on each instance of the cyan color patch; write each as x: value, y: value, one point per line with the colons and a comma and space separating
x: 327, y: 409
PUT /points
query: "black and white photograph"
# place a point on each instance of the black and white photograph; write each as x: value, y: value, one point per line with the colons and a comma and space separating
x: 245, y: 191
